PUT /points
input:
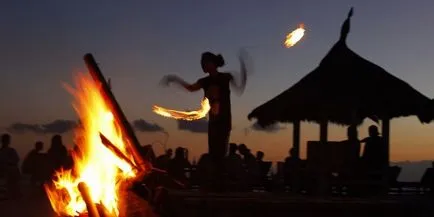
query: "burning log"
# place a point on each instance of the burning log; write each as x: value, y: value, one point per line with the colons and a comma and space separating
x: 103, y: 212
x: 115, y: 108
x: 91, y: 207
x: 109, y: 145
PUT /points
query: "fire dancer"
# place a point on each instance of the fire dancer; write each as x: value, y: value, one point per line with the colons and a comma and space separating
x: 217, y: 90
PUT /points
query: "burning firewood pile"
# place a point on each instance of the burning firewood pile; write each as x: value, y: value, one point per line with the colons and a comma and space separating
x: 106, y: 179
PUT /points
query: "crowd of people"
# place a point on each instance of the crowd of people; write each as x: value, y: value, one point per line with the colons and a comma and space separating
x: 39, y: 165
x: 355, y: 165
x: 240, y: 170
x: 240, y: 165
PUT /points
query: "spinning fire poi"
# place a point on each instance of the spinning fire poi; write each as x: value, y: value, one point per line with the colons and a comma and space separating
x: 295, y: 36
x: 184, y: 115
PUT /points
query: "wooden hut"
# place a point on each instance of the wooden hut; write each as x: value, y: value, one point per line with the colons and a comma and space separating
x: 344, y: 89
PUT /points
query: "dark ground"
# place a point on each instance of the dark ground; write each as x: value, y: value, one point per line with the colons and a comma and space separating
x: 192, y: 204
x: 33, y: 204
x: 267, y: 204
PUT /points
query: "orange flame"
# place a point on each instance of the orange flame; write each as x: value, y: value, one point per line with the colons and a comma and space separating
x: 184, y: 115
x: 295, y: 36
x: 95, y: 165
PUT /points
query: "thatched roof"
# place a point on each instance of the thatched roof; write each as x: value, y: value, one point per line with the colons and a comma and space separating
x: 344, y: 88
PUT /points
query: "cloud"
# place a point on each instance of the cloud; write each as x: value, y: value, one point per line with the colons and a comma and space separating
x: 198, y: 126
x: 144, y: 126
x: 59, y: 126
x: 269, y: 129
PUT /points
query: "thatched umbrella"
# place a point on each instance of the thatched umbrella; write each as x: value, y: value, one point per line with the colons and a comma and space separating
x: 344, y: 89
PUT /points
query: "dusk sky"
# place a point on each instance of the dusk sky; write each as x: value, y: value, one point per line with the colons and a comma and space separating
x: 136, y: 43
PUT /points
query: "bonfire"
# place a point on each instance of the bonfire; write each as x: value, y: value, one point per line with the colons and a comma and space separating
x: 107, y: 162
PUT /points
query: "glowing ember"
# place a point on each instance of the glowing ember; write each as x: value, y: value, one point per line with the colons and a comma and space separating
x: 184, y: 115
x: 97, y: 166
x: 295, y: 36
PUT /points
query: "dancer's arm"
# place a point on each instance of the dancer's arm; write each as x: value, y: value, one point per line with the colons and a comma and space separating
x: 175, y: 79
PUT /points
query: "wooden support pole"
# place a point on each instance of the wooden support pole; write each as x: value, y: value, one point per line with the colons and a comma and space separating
x: 296, y: 138
x: 385, y: 131
x: 92, y: 211
x: 323, y: 131
x: 125, y: 126
x: 323, y: 185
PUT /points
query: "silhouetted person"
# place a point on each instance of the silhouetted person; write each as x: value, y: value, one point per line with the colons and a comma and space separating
x: 352, y: 153
x: 374, y: 161
x: 163, y: 161
x: 292, y: 170
x: 233, y: 148
x: 292, y: 157
x: 262, y: 167
x: 169, y: 153
x: 249, y: 159
x: 178, y: 164
x: 250, y: 164
x: 234, y: 165
x: 260, y: 156
x: 57, y: 154
x: 186, y: 154
x: 217, y: 89
x: 34, y: 164
x: 147, y: 152
x: 203, y: 174
x: 375, y: 152
x: 9, y: 165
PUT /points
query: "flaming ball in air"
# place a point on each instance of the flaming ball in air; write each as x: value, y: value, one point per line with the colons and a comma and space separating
x: 295, y: 36
x: 184, y: 115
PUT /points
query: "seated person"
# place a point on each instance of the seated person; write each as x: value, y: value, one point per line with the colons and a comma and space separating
x: 374, y: 158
